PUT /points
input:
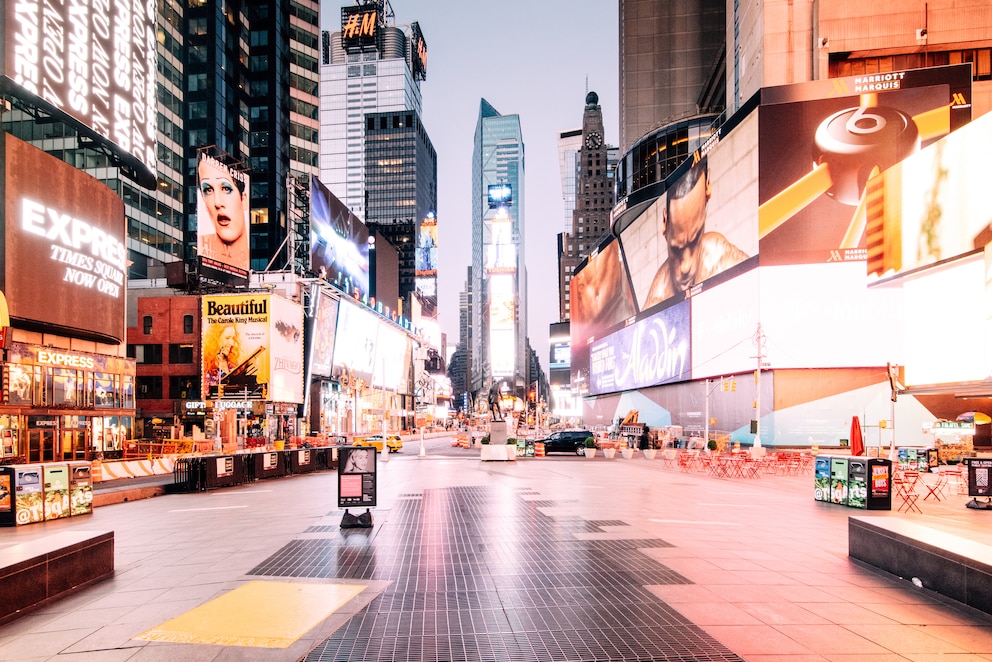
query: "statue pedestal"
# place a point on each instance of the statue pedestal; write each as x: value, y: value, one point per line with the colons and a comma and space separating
x: 497, y: 450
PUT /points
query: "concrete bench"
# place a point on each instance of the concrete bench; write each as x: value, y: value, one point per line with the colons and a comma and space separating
x: 947, y: 564
x: 40, y: 571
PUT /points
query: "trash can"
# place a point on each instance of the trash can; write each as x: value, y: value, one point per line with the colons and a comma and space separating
x: 56, y: 480
x: 80, y: 488
x: 821, y: 478
x: 857, y: 482
x: 23, y: 502
x: 838, y: 480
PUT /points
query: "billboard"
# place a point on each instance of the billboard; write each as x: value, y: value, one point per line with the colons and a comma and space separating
x: 222, y: 220
x: 427, y: 247
x: 252, y: 348
x: 818, y: 153
x: 339, y: 242
x: 64, y: 257
x: 932, y: 206
x: 502, y: 319
x: 322, y: 338
x: 654, y: 350
x: 371, y: 349
x: 500, y: 195
x: 360, y: 25
x: 501, y: 252
x: 419, y: 51
x: 702, y: 227
x: 93, y: 64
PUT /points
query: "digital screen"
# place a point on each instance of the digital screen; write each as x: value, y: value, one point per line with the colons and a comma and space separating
x: 724, y: 321
x: 500, y: 251
x: 654, y: 350
x: 500, y: 195
x: 818, y: 153
x: 339, y: 242
x: 95, y: 62
x: 354, y: 344
x: 427, y: 248
x: 502, y: 316
x: 64, y: 257
x: 934, y: 205
x: 222, y: 216
x: 700, y: 228
x: 324, y: 327
x: 286, y: 357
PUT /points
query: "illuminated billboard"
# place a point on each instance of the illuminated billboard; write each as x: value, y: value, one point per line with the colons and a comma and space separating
x: 601, y: 299
x: 419, y: 51
x: 502, y: 317
x: 427, y: 247
x: 818, y: 153
x: 222, y: 216
x: 339, y: 242
x: 655, y: 350
x: 64, y: 257
x: 322, y: 339
x: 501, y: 252
x: 932, y: 206
x: 94, y: 64
x: 252, y: 348
x: 500, y: 195
x: 369, y: 348
x: 361, y: 24
x: 702, y: 227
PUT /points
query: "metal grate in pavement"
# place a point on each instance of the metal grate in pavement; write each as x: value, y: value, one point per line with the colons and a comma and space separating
x: 478, y: 573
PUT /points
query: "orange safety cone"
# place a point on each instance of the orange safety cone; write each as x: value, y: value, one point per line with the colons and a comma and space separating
x: 538, y: 449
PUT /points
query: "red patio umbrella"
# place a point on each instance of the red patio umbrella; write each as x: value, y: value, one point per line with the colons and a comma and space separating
x: 857, y: 441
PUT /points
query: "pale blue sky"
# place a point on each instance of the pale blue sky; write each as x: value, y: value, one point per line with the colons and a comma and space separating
x: 526, y: 57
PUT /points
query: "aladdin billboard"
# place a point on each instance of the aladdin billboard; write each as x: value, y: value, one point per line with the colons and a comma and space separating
x: 64, y: 257
x: 252, y: 348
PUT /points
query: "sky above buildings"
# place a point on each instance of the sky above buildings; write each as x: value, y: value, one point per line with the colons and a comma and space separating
x: 525, y: 57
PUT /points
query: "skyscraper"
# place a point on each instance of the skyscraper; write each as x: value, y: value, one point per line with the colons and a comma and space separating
x: 499, y: 276
x: 668, y: 53
x: 375, y: 153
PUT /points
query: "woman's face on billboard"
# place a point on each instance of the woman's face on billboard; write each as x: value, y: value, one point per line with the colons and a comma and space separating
x: 225, y: 203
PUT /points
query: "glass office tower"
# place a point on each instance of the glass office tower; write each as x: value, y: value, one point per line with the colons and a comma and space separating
x: 499, y: 276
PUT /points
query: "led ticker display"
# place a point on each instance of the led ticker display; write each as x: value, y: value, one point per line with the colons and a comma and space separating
x: 339, y: 242
x: 64, y: 261
x: 93, y: 62
x: 655, y: 350
x: 360, y: 25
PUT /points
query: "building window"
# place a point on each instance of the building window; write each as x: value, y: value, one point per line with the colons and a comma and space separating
x: 180, y: 354
x: 145, y: 353
x: 146, y: 325
x: 187, y: 324
x: 150, y: 387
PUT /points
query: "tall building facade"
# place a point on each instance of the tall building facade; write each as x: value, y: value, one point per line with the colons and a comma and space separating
x: 401, y: 197
x: 499, y: 275
x: 593, y: 200
x: 375, y: 153
x: 251, y: 100
x: 668, y: 53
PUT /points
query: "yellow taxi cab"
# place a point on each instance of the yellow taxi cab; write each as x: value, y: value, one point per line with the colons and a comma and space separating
x: 392, y: 441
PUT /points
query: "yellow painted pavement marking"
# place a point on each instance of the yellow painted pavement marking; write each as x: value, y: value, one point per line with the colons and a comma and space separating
x: 258, y: 614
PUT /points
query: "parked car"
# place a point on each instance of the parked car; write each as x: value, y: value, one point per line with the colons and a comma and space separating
x: 567, y: 441
x: 393, y: 442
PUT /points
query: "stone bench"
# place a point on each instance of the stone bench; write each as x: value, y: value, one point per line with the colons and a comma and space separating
x: 40, y: 571
x: 947, y: 564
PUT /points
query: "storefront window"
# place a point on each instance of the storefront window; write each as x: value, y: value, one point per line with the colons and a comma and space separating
x: 24, y: 380
x: 66, y: 387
